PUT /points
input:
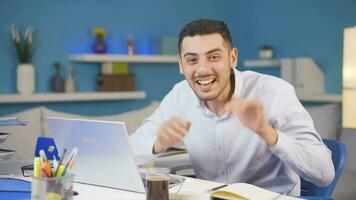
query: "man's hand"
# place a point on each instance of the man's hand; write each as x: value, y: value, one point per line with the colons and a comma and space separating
x: 170, y: 133
x: 251, y: 115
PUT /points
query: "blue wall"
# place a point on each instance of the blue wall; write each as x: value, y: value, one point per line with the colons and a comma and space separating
x: 294, y: 28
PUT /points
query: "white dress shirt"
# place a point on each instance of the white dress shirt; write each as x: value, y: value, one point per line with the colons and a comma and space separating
x: 222, y: 149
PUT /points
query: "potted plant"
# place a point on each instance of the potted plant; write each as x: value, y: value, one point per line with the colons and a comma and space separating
x: 24, y: 49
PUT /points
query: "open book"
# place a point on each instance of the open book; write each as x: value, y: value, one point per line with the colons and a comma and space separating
x: 243, y: 191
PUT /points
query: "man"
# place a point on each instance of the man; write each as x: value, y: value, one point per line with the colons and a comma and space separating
x: 237, y: 126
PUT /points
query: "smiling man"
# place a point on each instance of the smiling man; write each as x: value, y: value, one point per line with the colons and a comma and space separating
x: 237, y: 126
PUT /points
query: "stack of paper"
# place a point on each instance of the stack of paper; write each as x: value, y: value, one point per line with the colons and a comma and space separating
x: 173, y: 151
x: 12, y: 122
x: 6, y: 154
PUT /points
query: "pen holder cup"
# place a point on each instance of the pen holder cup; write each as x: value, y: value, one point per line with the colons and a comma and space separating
x: 54, y: 188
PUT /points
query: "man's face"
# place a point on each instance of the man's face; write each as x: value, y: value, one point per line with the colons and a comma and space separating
x: 206, y: 62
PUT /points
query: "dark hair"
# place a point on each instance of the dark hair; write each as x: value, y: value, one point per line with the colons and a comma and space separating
x: 205, y: 27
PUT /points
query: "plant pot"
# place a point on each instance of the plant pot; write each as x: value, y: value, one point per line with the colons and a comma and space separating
x: 25, y: 79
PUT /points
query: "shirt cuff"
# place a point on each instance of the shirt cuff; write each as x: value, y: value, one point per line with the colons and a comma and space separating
x: 284, y: 143
x: 149, y: 156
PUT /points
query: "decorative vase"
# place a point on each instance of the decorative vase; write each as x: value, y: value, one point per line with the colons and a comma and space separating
x: 57, y: 80
x: 25, y: 78
x: 266, y: 52
x: 99, y: 45
x: 70, y: 83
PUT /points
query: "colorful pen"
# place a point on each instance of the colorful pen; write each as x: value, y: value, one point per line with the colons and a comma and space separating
x: 46, y: 168
x: 70, y: 161
x: 43, y: 156
x: 37, y: 167
x: 55, y: 164
x: 60, y: 161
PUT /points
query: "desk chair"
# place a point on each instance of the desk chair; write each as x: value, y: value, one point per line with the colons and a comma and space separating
x: 311, y: 191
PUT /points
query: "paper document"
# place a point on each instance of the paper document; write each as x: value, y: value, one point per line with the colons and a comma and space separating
x: 12, y: 122
x: 6, y: 154
x: 173, y: 151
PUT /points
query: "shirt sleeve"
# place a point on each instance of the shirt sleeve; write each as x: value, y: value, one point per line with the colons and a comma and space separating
x: 144, y: 137
x: 299, y: 145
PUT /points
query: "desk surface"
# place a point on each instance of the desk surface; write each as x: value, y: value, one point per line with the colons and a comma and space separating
x: 192, y: 188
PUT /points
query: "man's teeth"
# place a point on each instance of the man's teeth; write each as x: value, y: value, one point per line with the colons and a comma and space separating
x: 205, y: 82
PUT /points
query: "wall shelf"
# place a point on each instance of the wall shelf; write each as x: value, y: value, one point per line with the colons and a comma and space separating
x: 123, y: 58
x: 71, y: 97
x: 331, y: 98
x: 261, y: 63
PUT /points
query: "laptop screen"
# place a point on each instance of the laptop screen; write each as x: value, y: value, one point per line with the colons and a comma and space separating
x: 105, y: 156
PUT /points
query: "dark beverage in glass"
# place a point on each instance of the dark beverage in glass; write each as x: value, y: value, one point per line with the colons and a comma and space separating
x: 157, y: 188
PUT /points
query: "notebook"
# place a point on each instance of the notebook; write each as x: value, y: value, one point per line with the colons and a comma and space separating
x: 105, y: 156
x: 243, y: 191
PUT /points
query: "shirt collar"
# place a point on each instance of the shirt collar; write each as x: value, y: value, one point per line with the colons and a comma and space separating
x: 238, y: 83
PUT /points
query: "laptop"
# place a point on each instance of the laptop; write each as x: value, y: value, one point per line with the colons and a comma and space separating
x: 105, y: 156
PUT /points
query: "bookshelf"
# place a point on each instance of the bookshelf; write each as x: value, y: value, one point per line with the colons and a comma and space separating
x: 109, y: 58
x: 261, y: 63
x: 71, y: 97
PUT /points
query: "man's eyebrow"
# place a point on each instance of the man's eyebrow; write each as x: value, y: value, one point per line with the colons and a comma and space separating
x: 208, y: 52
x: 213, y: 50
x: 190, y: 54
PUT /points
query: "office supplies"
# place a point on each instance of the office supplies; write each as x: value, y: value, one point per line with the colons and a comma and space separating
x: 14, y: 189
x: 12, y: 122
x: 3, y: 137
x: 48, y: 146
x: 216, y: 188
x: 71, y: 159
x: 55, y: 165
x: 60, y: 162
x: 43, y: 156
x: 239, y: 191
x: 59, y: 171
x: 37, y: 167
x: 53, y: 188
x: 6, y: 154
x: 46, y: 168
x: 105, y: 158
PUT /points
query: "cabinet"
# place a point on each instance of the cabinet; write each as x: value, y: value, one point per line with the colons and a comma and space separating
x: 303, y: 73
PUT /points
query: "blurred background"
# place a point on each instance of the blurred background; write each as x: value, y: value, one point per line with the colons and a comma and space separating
x: 294, y: 29
x: 63, y: 30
